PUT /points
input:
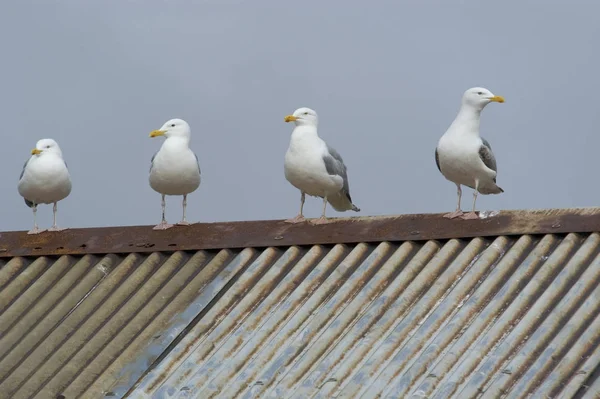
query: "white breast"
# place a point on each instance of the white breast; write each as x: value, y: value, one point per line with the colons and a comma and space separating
x: 460, y: 161
x: 175, y: 170
x: 45, y: 180
x: 304, y: 166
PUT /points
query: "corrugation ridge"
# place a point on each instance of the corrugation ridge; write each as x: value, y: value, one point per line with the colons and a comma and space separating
x: 512, y: 274
x: 513, y: 309
x: 337, y: 300
x: 262, y: 275
x: 593, y: 391
x: 9, y: 270
x: 234, y: 302
x: 446, y: 341
x: 20, y: 283
x: 586, y: 381
x: 534, y: 361
x: 83, y: 311
x: 319, y: 263
x: 153, y: 308
x: 339, y: 266
x: 372, y: 324
x: 211, y: 389
x: 212, y: 299
x: 530, y: 318
x: 85, y: 326
x: 355, y: 321
x: 34, y: 326
x: 355, y: 371
x: 25, y: 290
x: 426, y: 292
x: 270, y: 291
x: 369, y: 290
x: 343, y: 323
x: 584, y: 355
x: 121, y: 371
x: 401, y: 268
x: 422, y: 347
x: 114, y: 326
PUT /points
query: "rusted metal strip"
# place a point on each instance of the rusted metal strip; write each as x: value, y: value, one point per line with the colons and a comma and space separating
x: 267, y: 233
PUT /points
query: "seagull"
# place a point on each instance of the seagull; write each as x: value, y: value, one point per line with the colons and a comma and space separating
x: 44, y: 180
x: 174, y: 169
x: 314, y: 168
x: 463, y: 157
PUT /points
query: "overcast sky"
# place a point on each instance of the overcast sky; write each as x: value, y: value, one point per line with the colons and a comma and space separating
x: 386, y: 78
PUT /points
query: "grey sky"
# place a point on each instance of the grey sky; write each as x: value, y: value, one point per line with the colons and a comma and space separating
x: 385, y: 77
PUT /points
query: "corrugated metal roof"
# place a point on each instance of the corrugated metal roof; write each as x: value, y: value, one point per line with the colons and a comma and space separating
x: 495, y: 316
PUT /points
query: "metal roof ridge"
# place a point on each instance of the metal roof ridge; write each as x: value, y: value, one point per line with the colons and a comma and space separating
x: 268, y: 233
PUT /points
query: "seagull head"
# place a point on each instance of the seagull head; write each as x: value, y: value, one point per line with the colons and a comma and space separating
x: 46, y: 146
x: 479, y: 97
x: 173, y: 128
x: 303, y: 117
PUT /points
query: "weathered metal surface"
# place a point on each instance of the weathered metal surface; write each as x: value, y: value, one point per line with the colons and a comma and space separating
x: 505, y: 316
x: 487, y: 317
x: 272, y: 233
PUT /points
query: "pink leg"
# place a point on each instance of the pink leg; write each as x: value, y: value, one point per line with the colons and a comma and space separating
x: 300, y: 218
x: 457, y: 212
x: 472, y: 215
x: 163, y: 225
x: 54, y: 226
x: 323, y: 219
x: 184, y: 221
x: 36, y: 229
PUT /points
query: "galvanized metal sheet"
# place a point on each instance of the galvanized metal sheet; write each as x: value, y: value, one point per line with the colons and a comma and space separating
x: 505, y: 316
x: 484, y: 317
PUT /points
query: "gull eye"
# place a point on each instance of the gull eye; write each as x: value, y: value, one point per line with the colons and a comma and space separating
x: 480, y: 92
x: 306, y: 113
x: 172, y: 125
x: 47, y: 146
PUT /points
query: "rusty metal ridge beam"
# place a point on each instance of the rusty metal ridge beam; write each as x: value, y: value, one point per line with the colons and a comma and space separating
x: 267, y: 233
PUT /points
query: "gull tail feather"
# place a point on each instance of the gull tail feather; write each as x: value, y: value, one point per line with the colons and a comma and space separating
x: 28, y: 203
x: 491, y: 189
x: 342, y: 202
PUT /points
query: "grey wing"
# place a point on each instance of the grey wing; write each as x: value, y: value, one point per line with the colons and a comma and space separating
x: 23, y: 170
x: 335, y: 166
x: 27, y: 202
x: 437, y: 160
x: 198, y: 162
x: 152, y: 161
x: 487, y: 156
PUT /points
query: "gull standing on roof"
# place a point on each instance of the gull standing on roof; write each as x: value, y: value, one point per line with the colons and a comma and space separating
x: 314, y: 168
x: 44, y: 180
x: 174, y: 169
x: 463, y: 157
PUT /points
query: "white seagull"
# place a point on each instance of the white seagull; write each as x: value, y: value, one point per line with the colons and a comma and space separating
x: 174, y: 169
x: 314, y: 168
x: 44, y: 180
x: 463, y: 157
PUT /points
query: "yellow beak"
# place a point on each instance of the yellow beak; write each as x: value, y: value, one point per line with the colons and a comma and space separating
x: 290, y: 118
x: 497, y: 99
x: 156, y: 133
x: 35, y: 151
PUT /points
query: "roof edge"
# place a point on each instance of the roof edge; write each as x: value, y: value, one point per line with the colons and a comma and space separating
x: 267, y: 233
